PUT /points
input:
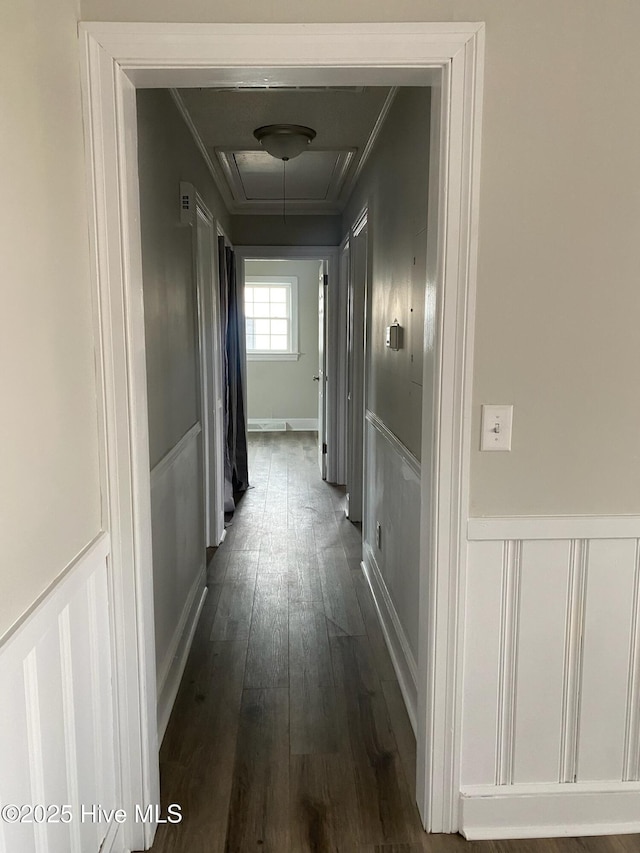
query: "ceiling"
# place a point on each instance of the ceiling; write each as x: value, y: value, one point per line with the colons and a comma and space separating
x: 346, y: 121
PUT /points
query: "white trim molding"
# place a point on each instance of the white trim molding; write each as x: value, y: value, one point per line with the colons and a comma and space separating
x: 178, y: 448
x: 282, y: 424
x: 225, y: 175
x: 554, y: 527
x: 549, y: 811
x: 400, y: 652
x: 402, y: 452
x: 172, y: 668
x: 448, y: 56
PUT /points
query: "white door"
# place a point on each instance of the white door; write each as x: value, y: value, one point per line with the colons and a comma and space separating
x: 211, y: 416
x: 321, y: 377
x: 356, y: 369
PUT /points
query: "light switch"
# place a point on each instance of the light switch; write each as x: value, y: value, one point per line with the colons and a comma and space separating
x: 496, y: 428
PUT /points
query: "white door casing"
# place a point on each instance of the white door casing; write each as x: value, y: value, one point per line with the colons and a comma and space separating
x: 340, y: 342
x: 356, y: 364
x: 328, y: 256
x: 209, y: 342
x: 447, y: 56
x: 321, y: 377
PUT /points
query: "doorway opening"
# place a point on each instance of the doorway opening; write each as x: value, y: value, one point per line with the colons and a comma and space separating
x: 286, y: 297
x: 121, y: 57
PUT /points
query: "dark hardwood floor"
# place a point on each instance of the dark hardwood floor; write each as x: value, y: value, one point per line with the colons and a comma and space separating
x: 289, y: 733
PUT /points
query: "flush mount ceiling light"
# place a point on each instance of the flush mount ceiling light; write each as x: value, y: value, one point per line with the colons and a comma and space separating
x: 284, y: 141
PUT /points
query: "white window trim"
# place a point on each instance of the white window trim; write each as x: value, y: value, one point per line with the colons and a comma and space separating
x: 267, y: 355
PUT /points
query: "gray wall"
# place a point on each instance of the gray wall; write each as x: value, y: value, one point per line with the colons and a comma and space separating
x: 167, y: 155
x: 50, y: 505
x: 558, y: 301
x: 285, y: 389
x: 394, y: 184
x: 296, y: 231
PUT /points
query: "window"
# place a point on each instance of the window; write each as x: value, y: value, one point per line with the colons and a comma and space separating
x: 271, y: 311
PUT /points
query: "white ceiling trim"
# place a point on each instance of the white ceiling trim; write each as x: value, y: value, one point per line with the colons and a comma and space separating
x: 218, y: 178
x: 368, y: 148
x: 329, y: 204
x: 230, y: 186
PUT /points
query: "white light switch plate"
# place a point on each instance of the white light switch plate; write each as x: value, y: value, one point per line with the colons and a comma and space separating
x: 496, y: 427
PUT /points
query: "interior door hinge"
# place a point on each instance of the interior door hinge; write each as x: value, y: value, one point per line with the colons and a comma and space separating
x: 324, y: 446
x: 326, y: 279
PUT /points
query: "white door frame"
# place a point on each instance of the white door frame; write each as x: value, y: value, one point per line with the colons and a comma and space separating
x: 117, y: 57
x: 344, y: 260
x: 210, y: 369
x: 356, y: 359
x: 328, y: 254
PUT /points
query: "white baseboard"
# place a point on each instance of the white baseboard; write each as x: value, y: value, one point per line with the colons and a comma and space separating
x: 399, y: 650
x: 548, y: 811
x: 113, y: 840
x: 282, y: 424
x: 176, y: 659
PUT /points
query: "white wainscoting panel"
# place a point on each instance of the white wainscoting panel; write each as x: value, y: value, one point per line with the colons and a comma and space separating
x: 57, y: 738
x: 392, y: 498
x: 177, y: 522
x: 551, y: 678
x: 608, y: 634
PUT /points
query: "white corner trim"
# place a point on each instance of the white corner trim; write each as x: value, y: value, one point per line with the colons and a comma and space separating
x: 170, y: 457
x: 554, y: 527
x: 403, y: 452
x: 172, y: 668
x: 400, y: 652
x: 549, y: 810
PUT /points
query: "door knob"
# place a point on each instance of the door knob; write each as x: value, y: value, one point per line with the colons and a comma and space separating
x: 316, y: 379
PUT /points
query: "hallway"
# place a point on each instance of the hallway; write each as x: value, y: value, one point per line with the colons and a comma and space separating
x: 289, y: 733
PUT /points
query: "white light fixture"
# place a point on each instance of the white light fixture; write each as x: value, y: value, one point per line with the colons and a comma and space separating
x: 284, y: 141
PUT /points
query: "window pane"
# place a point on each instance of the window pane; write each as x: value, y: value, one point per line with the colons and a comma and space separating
x: 279, y: 342
x: 268, y: 317
x: 278, y: 309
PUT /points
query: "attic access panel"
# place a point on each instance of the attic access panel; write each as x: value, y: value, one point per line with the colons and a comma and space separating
x: 315, y: 178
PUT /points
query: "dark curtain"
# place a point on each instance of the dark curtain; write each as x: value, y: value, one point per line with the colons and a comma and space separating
x: 236, y: 473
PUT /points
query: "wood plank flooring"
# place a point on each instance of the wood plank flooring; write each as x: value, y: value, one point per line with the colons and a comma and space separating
x: 289, y: 734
